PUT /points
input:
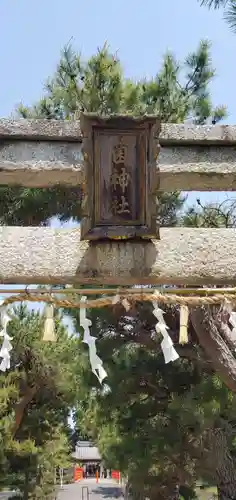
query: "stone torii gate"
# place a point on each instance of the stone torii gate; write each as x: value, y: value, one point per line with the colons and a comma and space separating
x: 117, y: 162
x: 43, y: 153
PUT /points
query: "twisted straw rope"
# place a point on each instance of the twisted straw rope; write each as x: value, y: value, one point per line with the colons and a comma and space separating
x: 137, y: 297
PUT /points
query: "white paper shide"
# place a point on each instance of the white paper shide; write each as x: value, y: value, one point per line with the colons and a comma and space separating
x: 232, y: 321
x: 168, y: 349
x: 95, y: 362
x: 6, y: 347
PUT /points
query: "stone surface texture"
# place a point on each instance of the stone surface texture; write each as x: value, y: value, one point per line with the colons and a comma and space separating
x: 197, y: 168
x: 40, y: 129
x: 41, y: 153
x: 182, y: 256
x: 70, y: 131
x: 41, y: 163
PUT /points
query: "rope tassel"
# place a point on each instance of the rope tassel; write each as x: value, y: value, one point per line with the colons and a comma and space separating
x: 183, y: 324
x: 49, y: 334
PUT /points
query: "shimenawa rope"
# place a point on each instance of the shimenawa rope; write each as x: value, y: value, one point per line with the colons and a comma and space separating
x: 132, y: 298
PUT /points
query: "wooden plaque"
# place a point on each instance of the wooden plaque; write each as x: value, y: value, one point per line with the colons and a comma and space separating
x: 120, y: 155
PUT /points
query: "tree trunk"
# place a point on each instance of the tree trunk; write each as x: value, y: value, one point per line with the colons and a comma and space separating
x: 215, y: 339
x: 225, y: 464
x: 227, y: 491
x: 26, y: 485
x: 21, y: 407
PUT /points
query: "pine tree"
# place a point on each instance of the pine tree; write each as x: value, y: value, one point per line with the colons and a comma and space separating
x: 176, y: 93
x: 99, y: 85
x: 37, y: 395
x: 8, y: 397
x: 158, y: 424
x: 229, y: 9
x: 143, y: 429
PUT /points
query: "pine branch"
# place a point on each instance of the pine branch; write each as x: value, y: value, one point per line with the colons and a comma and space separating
x: 21, y: 406
x: 215, y: 4
x: 230, y: 14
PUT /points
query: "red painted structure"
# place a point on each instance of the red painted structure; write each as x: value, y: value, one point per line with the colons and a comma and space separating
x: 78, y: 474
x: 115, y: 474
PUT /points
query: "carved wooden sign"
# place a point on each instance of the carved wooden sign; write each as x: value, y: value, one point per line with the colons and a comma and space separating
x: 120, y: 154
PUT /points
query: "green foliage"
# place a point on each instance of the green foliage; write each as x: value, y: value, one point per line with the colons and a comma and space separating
x: 211, y: 215
x: 177, y: 92
x: 33, y: 446
x: 8, y: 396
x: 187, y: 493
x: 34, y: 207
x: 137, y: 423
x: 153, y: 420
x: 34, y: 474
x: 229, y: 7
x: 215, y: 4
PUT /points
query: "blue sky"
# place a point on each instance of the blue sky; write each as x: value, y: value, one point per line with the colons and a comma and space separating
x: 32, y: 33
